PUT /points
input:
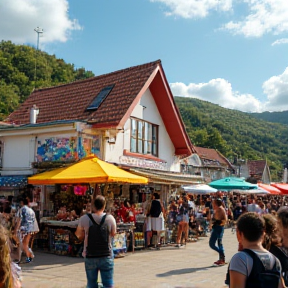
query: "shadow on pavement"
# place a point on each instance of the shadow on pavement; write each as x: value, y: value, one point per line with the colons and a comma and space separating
x: 46, y: 261
x: 182, y: 271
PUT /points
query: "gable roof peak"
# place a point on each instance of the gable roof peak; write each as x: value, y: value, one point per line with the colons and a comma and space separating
x: 76, y: 82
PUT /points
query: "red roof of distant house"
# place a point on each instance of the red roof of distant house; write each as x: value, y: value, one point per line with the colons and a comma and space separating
x: 70, y: 102
x: 212, y: 155
x: 256, y: 167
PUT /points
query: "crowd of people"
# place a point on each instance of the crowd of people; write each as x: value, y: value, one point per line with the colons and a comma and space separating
x: 260, y: 223
x: 262, y: 233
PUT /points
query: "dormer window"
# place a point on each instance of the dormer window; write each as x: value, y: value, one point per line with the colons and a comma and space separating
x: 144, y: 137
x: 100, y: 97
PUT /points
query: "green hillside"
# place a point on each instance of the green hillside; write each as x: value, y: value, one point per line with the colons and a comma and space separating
x: 232, y: 132
x: 23, y: 68
x: 276, y: 117
x: 235, y: 133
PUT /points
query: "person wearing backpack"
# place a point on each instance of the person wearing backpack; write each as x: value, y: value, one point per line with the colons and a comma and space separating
x: 97, y: 230
x: 254, y: 266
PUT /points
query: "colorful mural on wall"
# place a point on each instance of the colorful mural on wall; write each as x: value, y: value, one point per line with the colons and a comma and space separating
x: 57, y: 149
x: 64, y: 149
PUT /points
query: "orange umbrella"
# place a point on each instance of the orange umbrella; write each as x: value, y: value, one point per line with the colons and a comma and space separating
x: 283, y: 187
x: 269, y: 188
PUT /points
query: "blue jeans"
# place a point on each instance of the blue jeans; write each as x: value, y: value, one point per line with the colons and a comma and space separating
x: 106, y: 267
x: 216, y: 236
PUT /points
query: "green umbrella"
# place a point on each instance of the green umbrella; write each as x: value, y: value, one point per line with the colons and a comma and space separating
x: 232, y: 183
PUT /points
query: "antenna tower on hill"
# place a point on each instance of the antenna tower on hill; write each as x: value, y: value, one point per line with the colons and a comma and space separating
x: 39, y: 32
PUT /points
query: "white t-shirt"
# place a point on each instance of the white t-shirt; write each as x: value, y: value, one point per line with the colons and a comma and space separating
x: 85, y: 222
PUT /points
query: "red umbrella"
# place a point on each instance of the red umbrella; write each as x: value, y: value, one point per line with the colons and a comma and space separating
x: 283, y: 187
x: 269, y: 188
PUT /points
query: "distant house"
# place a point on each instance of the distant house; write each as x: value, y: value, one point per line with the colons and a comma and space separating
x: 209, y: 163
x: 257, y: 170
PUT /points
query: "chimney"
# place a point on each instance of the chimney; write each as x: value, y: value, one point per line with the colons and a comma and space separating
x: 33, y: 114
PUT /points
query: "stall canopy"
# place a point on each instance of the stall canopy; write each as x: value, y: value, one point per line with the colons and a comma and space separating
x: 199, y: 189
x: 232, y: 183
x: 88, y: 170
x: 283, y: 187
x: 269, y: 188
x: 258, y: 191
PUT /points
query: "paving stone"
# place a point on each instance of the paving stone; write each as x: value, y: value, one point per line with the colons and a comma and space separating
x: 170, y: 267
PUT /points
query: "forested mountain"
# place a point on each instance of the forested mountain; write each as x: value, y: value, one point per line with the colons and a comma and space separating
x: 276, y: 117
x: 23, y: 68
x: 231, y: 132
x: 235, y: 133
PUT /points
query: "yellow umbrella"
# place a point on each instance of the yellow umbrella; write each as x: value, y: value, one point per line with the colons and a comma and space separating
x: 88, y: 170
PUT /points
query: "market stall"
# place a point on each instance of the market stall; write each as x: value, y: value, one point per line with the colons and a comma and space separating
x: 75, y: 188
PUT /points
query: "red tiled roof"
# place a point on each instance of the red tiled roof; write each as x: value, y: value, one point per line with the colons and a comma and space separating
x: 70, y: 102
x: 212, y: 154
x: 256, y: 167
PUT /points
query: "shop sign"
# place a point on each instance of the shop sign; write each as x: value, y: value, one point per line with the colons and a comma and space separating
x: 143, y: 163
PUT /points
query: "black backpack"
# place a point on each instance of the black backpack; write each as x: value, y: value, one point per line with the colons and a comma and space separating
x: 98, y: 239
x: 283, y: 258
x: 259, y: 276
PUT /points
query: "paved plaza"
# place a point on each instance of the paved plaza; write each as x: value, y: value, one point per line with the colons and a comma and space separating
x: 170, y: 267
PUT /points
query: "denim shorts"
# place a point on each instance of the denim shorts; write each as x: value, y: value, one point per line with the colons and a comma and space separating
x: 106, y: 267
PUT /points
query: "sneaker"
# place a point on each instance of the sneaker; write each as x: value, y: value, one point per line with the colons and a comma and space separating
x: 177, y: 246
x: 220, y: 262
x: 28, y: 260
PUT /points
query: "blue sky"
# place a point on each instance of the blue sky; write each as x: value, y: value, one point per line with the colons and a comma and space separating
x: 229, y: 52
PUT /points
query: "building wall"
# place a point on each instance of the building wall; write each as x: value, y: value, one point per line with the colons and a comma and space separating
x: 18, y: 154
x: 22, y: 147
x: 58, y: 143
x: 147, y: 110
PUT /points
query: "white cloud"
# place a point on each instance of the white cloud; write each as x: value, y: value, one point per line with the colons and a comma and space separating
x: 266, y: 16
x: 280, y: 41
x: 194, y: 8
x: 263, y: 16
x: 276, y: 89
x: 19, y: 18
x: 218, y: 91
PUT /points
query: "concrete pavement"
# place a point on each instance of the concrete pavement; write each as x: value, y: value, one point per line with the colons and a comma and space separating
x: 170, y: 267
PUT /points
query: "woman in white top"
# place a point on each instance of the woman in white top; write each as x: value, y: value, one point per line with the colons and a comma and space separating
x: 28, y: 227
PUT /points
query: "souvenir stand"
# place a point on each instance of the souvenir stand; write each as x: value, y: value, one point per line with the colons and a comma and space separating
x: 129, y: 217
x: 139, y: 197
x: 84, y: 180
x: 58, y: 224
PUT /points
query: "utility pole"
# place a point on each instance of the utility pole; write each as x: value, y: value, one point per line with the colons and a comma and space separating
x: 39, y: 32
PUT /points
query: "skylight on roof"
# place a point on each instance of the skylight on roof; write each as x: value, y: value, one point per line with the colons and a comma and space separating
x: 100, y: 97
